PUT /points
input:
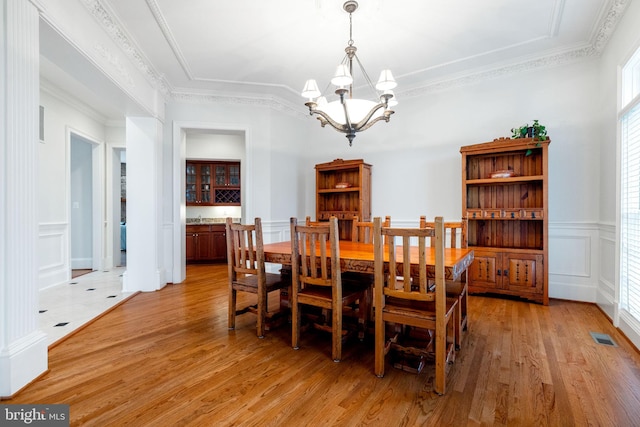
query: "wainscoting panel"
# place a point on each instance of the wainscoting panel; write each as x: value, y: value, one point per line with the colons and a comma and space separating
x: 607, y: 299
x: 53, y: 254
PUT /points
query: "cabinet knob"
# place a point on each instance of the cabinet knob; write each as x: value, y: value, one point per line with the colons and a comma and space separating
x: 499, y: 272
x: 533, y: 214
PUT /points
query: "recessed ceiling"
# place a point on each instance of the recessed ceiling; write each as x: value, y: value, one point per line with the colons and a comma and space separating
x: 271, y: 47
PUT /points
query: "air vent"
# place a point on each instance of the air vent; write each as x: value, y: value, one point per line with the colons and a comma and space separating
x: 603, y: 339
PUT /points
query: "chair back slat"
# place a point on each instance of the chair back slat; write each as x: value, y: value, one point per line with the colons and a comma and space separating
x: 400, y: 279
x: 245, y: 248
x: 362, y: 231
x: 314, y: 244
x: 456, y: 231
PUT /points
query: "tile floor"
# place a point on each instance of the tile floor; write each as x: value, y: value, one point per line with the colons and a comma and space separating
x: 66, y: 307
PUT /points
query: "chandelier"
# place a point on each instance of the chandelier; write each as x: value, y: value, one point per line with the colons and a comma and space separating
x: 347, y: 114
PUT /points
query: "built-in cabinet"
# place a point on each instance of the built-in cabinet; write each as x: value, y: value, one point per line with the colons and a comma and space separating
x: 212, y: 183
x: 343, y: 190
x: 206, y: 243
x: 505, y: 198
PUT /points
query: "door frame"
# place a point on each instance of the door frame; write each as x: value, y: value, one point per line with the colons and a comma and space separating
x: 97, y: 195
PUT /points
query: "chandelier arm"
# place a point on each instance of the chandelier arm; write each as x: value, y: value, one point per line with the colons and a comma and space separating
x: 384, y: 117
x: 327, y: 119
x: 362, y: 123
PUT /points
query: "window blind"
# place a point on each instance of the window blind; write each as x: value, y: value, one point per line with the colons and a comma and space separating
x: 630, y: 212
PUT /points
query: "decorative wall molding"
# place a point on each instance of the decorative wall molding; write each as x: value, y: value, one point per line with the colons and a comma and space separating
x: 105, y: 18
x: 594, y: 48
x: 271, y: 102
x: 114, y: 60
x: 53, y: 251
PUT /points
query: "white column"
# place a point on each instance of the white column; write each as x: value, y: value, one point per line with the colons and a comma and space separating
x: 23, y: 347
x: 145, y: 270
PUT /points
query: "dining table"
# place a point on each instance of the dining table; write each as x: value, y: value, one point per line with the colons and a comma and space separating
x: 358, y: 257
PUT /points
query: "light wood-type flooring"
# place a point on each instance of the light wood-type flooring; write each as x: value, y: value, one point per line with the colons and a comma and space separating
x: 166, y: 358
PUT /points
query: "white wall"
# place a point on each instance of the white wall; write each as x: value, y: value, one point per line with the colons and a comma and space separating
x: 416, y: 158
x: 62, y: 115
x: 625, y: 41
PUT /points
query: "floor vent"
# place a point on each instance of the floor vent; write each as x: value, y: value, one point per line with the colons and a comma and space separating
x: 603, y: 339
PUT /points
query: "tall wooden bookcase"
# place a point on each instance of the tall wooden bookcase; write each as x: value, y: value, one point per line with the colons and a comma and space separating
x: 343, y: 190
x: 505, y: 198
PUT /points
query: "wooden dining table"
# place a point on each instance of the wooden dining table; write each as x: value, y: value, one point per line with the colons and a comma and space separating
x: 358, y: 257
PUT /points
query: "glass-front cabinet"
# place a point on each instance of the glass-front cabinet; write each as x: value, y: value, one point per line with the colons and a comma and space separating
x: 212, y: 183
x: 198, y: 184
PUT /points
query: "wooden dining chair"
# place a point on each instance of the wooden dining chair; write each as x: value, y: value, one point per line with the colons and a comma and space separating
x: 362, y: 231
x: 313, y: 223
x: 246, y: 272
x: 317, y: 281
x: 455, y: 237
x: 402, y: 297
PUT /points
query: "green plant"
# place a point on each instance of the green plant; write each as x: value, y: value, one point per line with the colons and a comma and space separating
x: 535, y: 131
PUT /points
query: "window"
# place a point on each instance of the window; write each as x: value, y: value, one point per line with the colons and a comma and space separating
x: 630, y: 188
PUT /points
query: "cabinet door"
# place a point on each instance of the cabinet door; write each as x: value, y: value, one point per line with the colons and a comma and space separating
x: 205, y: 184
x: 218, y: 245
x: 190, y: 247
x: 203, y: 245
x: 484, y: 269
x: 523, y: 273
x: 191, y: 183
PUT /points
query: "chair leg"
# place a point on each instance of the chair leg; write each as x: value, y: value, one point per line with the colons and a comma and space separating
x: 364, y: 311
x: 262, y: 311
x: 379, y: 342
x: 336, y: 334
x: 441, y: 355
x: 295, y: 324
x: 232, y: 308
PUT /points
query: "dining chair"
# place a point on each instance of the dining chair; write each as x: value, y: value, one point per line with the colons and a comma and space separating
x: 455, y: 237
x: 313, y: 223
x: 362, y: 231
x: 403, y: 297
x: 317, y: 281
x: 246, y: 272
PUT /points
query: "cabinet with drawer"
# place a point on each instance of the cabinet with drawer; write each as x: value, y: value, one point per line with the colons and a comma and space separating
x: 206, y: 243
x: 505, y: 198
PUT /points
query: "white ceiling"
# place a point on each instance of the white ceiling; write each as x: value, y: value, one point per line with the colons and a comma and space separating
x: 258, y: 47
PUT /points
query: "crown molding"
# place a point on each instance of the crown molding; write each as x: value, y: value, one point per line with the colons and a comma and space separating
x: 106, y: 18
x: 599, y: 40
x: 608, y: 22
x: 271, y: 102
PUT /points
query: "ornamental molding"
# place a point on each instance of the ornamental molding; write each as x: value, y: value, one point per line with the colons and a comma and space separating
x: 598, y: 42
x: 594, y: 49
x: 273, y: 103
x: 114, y: 60
x: 120, y: 37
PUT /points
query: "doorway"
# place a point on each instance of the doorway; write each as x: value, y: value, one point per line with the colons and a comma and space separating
x: 84, y: 236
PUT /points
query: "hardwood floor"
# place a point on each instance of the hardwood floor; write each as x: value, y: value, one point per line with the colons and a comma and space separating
x: 166, y: 358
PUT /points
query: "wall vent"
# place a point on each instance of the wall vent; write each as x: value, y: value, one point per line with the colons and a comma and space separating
x: 603, y: 339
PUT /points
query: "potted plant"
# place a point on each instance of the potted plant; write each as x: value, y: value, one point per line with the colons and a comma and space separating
x: 535, y: 131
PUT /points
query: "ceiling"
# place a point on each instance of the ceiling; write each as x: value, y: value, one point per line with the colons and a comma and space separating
x: 255, y: 48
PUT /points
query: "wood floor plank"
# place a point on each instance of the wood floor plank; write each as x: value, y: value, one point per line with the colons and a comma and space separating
x: 167, y: 358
